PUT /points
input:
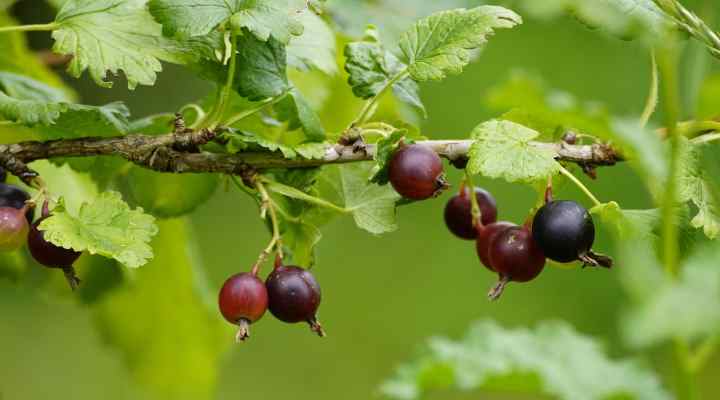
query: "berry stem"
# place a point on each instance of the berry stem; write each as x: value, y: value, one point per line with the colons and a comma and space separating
x: 224, y: 93
x: 475, y: 207
x: 579, y: 184
x: 276, y: 240
x: 316, y: 327
x: 652, y: 99
x: 29, y: 28
x: 549, y: 190
x: 369, y: 107
x: 300, y: 195
x: 252, y: 111
x: 71, y: 277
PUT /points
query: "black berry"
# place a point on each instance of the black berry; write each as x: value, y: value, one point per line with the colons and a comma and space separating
x: 243, y: 300
x: 565, y: 231
x: 458, y: 212
x: 416, y: 172
x: 486, y: 234
x: 13, y: 196
x: 13, y: 228
x: 516, y: 257
x: 294, y: 296
x: 52, y: 256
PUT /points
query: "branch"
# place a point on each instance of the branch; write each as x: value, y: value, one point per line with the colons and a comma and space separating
x: 180, y: 153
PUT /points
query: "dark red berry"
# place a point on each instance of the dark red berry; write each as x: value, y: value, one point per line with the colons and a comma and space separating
x: 13, y: 196
x: 294, y: 296
x: 243, y: 300
x: 416, y: 172
x: 13, y: 228
x: 52, y: 256
x: 516, y: 257
x: 486, y: 234
x: 458, y: 212
x: 565, y: 231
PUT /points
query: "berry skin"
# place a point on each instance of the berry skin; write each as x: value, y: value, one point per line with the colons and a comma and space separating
x: 458, y: 212
x: 243, y: 300
x: 565, y: 231
x: 486, y: 234
x: 13, y: 196
x: 294, y: 296
x: 516, y: 257
x: 416, y: 172
x: 14, y: 228
x: 52, y: 256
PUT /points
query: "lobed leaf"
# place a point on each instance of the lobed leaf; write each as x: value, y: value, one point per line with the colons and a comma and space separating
x: 552, y: 359
x: 503, y: 149
x: 261, y: 69
x: 441, y: 44
x: 315, y: 48
x: 295, y: 109
x: 107, y: 226
x: 373, y: 206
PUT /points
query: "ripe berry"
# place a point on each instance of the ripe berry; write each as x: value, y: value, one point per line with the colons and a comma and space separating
x: 13, y: 228
x: 294, y: 296
x: 516, y: 257
x: 458, y: 212
x: 416, y: 172
x: 52, y: 256
x: 486, y: 234
x: 13, y: 196
x: 243, y: 300
x: 565, y: 231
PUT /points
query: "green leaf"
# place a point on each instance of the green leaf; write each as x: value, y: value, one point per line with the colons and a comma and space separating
x: 694, y: 186
x: 79, y: 120
x: 23, y: 88
x: 261, y: 69
x: 29, y: 112
x: 372, y: 206
x: 263, y: 18
x: 107, y: 226
x: 441, y: 44
x: 371, y: 69
x: 315, y: 48
x: 643, y: 148
x: 300, y: 238
x: 109, y: 35
x: 679, y: 309
x: 625, y: 18
x: 504, y: 149
x: 179, y: 358
x: 299, y: 114
x: 170, y: 195
x: 552, y: 359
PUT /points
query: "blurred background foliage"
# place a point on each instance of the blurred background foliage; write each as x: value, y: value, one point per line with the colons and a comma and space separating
x: 155, y: 333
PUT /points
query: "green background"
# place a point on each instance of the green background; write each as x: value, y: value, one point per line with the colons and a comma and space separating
x: 382, y: 296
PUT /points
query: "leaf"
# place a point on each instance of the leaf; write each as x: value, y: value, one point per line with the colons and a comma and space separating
x: 262, y: 68
x: 29, y: 112
x: 109, y: 35
x: 300, y: 238
x: 299, y: 114
x: 552, y: 359
x: 79, y: 120
x: 315, y: 48
x: 679, y: 309
x: 372, y: 206
x: 23, y: 88
x: 441, y: 44
x: 503, y: 149
x: 170, y: 195
x: 625, y: 18
x: 179, y: 357
x: 643, y: 148
x: 263, y: 18
x: 371, y: 69
x: 694, y: 186
x: 107, y: 227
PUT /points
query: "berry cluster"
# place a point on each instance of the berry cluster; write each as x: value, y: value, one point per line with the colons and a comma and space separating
x: 290, y: 293
x: 17, y: 228
x: 562, y: 231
